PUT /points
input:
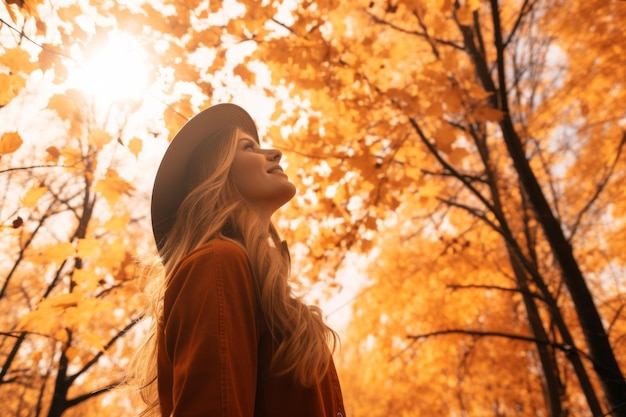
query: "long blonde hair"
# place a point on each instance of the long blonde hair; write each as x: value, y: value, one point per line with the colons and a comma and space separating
x: 213, y: 209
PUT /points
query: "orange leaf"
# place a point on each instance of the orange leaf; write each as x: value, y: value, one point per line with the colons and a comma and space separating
x: 246, y: 75
x: 457, y: 155
x: 57, y: 253
x: 72, y: 157
x: 444, y: 137
x: 464, y: 15
x: 113, y: 186
x: 86, y: 279
x: 49, y: 57
x: 10, y: 86
x: 134, y: 146
x: 99, y: 138
x: 87, y: 248
x: 69, y: 13
x: 10, y: 142
x: 18, y: 60
x: 52, y: 154
x: 117, y: 223
x: 488, y: 114
x: 33, y: 195
x: 63, y: 105
x: 173, y: 122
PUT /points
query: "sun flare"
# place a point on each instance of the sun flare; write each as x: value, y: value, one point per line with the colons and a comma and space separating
x: 115, y: 72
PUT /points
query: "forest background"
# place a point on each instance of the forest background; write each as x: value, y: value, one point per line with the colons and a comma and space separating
x: 461, y: 177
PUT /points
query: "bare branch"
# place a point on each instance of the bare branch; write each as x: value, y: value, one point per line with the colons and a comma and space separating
x: 567, y: 349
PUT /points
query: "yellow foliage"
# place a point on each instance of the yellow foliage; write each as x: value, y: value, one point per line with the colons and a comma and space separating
x: 246, y: 75
x: 86, y: 279
x: 134, y: 146
x: 17, y: 60
x: 72, y: 157
x: 487, y: 114
x: 69, y: 13
x: 117, y: 222
x: 112, y: 187
x: 52, y: 154
x: 464, y: 15
x: 99, y: 138
x: 173, y: 121
x: 10, y: 86
x: 47, y: 58
x: 33, y: 195
x: 87, y: 248
x: 445, y: 136
x: 10, y: 142
x: 64, y: 106
x: 56, y: 253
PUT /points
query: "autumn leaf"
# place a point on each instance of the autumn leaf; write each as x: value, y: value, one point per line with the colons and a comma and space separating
x: 17, y: 222
x: 445, y: 136
x: 112, y: 187
x: 41, y: 26
x: 71, y: 353
x: 52, y: 154
x: 17, y: 59
x: 117, y: 223
x: 10, y: 86
x: 487, y: 114
x: 86, y: 279
x: 63, y: 105
x: 51, y: 57
x: 33, y: 195
x: 134, y: 146
x: 464, y: 15
x: 457, y: 155
x: 246, y: 75
x: 56, y: 253
x: 86, y: 248
x: 72, y: 157
x: 10, y: 142
x: 69, y: 13
x: 99, y: 138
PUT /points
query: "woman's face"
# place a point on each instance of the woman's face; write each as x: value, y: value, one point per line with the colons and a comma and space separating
x: 258, y: 176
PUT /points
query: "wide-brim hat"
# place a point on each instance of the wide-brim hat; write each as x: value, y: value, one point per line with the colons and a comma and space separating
x: 169, y: 190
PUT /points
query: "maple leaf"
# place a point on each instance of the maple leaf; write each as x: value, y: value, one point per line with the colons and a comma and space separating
x: 246, y: 75
x: 134, y: 146
x: 10, y: 86
x: 99, y: 138
x: 33, y: 195
x: 87, y: 248
x: 112, y: 187
x: 117, y: 222
x: 10, y: 142
x: 63, y: 105
x: 52, y: 154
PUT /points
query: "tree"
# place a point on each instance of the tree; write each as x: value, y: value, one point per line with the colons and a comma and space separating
x: 67, y: 292
x: 493, y: 92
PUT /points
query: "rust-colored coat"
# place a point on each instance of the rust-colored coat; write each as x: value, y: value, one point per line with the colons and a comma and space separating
x: 214, y: 347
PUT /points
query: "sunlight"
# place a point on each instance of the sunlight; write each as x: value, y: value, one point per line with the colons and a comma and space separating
x: 116, y: 72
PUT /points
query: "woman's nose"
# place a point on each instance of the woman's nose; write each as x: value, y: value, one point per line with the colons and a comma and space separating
x: 274, y: 154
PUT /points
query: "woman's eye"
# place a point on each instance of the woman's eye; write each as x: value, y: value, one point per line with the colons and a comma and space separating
x: 249, y: 146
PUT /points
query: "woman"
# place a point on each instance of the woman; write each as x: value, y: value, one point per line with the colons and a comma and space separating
x: 228, y: 337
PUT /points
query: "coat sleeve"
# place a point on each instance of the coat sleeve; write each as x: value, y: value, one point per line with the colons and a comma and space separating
x: 211, y: 336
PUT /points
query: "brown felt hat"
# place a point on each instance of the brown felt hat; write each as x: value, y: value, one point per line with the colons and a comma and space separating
x: 169, y: 190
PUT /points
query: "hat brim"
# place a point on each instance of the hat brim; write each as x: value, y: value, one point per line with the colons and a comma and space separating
x: 168, y: 191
